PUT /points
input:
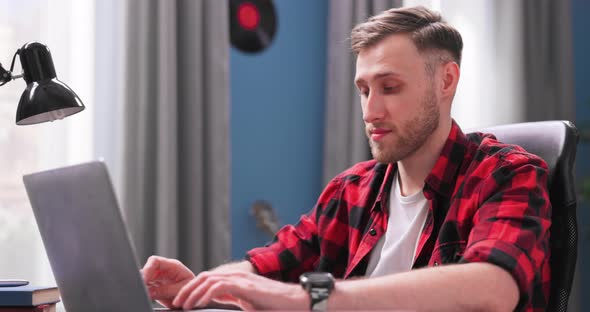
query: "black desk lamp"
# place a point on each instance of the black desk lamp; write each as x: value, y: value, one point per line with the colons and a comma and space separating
x: 45, y: 98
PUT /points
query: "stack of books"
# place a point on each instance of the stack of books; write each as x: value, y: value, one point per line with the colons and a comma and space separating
x: 28, y: 298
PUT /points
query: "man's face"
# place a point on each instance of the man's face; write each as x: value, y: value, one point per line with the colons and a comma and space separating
x: 398, y: 97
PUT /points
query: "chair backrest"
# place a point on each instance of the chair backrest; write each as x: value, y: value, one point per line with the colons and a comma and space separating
x: 555, y: 142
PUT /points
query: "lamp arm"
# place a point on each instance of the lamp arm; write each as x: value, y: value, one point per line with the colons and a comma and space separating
x: 6, y: 75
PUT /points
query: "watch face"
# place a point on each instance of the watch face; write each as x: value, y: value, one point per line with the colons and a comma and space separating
x: 317, y: 279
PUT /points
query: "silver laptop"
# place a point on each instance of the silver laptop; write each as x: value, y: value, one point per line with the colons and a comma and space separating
x: 86, y: 240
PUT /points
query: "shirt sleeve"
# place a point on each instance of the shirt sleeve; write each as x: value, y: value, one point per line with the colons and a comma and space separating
x: 511, y: 226
x: 295, y: 249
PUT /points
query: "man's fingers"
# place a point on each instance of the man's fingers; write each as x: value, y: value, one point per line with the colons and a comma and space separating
x: 224, y: 299
x: 187, y: 289
x: 195, y: 288
x: 150, y: 270
x: 208, y: 287
x: 245, y: 305
x: 217, y: 290
x: 164, y: 291
x: 157, y: 267
x: 201, y: 297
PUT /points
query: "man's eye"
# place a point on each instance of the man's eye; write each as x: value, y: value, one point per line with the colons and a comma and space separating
x: 389, y: 89
x: 364, y: 92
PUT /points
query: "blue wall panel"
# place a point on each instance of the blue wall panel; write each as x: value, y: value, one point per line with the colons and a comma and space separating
x: 581, y: 24
x: 277, y: 113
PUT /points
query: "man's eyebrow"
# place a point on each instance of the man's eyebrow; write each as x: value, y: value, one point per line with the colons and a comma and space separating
x: 377, y: 76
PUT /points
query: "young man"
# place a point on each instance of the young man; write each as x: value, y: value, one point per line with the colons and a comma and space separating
x: 437, y: 221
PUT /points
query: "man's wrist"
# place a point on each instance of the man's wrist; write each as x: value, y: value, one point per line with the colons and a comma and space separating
x: 343, y: 296
x: 318, y: 286
x: 301, y: 300
x: 244, y: 266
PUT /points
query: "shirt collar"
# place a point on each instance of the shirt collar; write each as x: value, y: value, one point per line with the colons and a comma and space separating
x: 442, y: 177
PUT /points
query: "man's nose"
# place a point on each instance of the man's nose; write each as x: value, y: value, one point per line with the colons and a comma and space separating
x: 373, y: 108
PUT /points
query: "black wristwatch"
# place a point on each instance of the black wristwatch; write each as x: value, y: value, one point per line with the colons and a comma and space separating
x: 319, y: 285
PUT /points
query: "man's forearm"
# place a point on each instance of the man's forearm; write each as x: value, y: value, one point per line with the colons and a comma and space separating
x: 245, y: 266
x: 460, y: 287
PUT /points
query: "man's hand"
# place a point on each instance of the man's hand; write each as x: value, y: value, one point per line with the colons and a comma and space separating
x: 246, y: 290
x: 164, y: 277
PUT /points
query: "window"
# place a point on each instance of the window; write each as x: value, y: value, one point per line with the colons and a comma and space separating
x: 491, y: 83
x: 67, y: 28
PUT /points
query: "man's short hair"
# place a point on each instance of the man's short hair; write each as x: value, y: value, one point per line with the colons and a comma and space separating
x: 426, y: 28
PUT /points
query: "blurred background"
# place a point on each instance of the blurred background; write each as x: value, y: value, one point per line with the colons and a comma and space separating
x: 204, y: 139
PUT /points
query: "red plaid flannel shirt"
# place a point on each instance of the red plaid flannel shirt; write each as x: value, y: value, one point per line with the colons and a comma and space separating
x: 488, y: 202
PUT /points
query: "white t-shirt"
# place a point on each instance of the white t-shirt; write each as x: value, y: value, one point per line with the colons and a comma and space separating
x: 395, y: 251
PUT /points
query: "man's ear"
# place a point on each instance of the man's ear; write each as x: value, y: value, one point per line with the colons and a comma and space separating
x: 450, y: 78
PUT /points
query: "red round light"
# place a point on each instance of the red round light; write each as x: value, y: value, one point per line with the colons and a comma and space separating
x: 248, y: 16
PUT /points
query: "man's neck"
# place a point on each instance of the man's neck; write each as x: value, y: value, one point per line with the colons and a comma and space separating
x: 414, y: 169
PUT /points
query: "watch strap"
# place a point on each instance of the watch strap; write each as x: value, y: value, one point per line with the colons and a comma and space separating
x: 319, y: 299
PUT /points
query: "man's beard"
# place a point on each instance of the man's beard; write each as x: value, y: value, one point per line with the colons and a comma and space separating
x: 409, y: 136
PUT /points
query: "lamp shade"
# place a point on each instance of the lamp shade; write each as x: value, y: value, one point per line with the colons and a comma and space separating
x: 45, y: 98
